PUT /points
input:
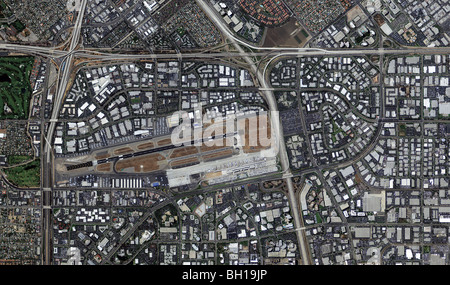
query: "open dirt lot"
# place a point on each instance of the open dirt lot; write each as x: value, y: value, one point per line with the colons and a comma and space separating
x: 124, y: 150
x: 213, y: 175
x: 107, y: 167
x: 185, y: 151
x: 141, y: 164
x: 289, y: 35
x: 165, y: 142
x: 253, y: 135
x: 147, y: 145
x: 103, y: 155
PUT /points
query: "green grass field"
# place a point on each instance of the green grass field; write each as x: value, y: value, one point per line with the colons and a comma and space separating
x: 27, y: 176
x: 18, y: 159
x: 15, y: 87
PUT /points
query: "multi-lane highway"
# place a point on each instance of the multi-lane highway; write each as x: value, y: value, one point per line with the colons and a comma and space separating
x: 278, y: 144
x: 100, y: 55
x: 29, y: 49
x: 47, y: 165
x: 67, y: 58
x: 64, y: 79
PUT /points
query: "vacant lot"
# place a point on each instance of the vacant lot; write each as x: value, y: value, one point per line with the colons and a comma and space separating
x: 289, y: 35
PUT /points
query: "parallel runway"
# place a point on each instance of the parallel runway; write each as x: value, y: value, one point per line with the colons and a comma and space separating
x: 149, y: 151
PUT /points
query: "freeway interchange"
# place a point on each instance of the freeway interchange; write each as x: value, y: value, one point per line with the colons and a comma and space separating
x: 76, y: 52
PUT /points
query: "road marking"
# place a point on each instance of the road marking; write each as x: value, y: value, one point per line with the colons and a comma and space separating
x: 300, y: 229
